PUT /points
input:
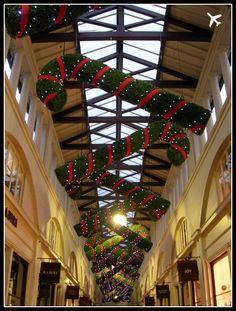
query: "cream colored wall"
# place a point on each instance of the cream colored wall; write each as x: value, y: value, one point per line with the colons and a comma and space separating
x: 40, y: 203
x: 210, y: 236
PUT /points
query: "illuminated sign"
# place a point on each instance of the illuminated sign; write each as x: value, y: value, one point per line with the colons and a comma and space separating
x: 72, y: 292
x: 188, y: 270
x: 162, y: 291
x: 50, y: 272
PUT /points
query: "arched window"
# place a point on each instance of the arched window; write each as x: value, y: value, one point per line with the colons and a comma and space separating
x: 55, y: 238
x: 181, y: 236
x: 223, y: 174
x: 72, y: 265
x: 13, y: 171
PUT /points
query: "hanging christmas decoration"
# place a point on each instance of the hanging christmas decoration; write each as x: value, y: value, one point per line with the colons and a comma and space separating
x: 51, y: 91
x: 162, y: 130
x: 156, y: 205
x: 25, y: 20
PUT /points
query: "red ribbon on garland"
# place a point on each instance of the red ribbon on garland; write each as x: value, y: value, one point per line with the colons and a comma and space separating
x: 49, y: 97
x: 123, y: 85
x: 131, y: 190
x: 102, y: 177
x: 146, y: 138
x: 117, y: 184
x: 197, y: 127
x: 78, y: 67
x: 90, y: 164
x: 61, y: 68
x: 70, y: 172
x: 174, y: 109
x: 173, y: 137
x: 144, y: 101
x: 99, y: 74
x: 165, y: 131
x: 148, y: 198
x: 109, y: 151
x: 51, y: 78
x: 24, y: 20
x: 128, y: 146
x: 96, y: 222
x: 83, y: 227
x: 181, y: 150
x: 61, y: 14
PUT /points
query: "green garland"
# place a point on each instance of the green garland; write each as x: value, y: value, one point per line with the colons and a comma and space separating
x: 104, y: 247
x: 51, y: 91
x: 156, y: 205
x: 72, y: 172
x: 124, y: 233
x: 24, y: 20
x: 91, y: 220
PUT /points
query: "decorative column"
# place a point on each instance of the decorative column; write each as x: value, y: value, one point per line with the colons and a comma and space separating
x: 48, y: 149
x: 16, y: 68
x: 191, y: 161
x: 216, y: 93
x: 25, y: 93
x: 39, y: 129
x: 226, y: 70
x: 32, y: 113
x: 206, y: 103
x: 196, y: 147
x: 7, y: 43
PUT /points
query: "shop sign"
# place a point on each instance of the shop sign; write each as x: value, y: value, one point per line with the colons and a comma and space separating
x: 11, y: 217
x: 50, y: 272
x: 149, y: 301
x: 72, y: 292
x: 162, y: 291
x: 188, y: 270
x: 84, y: 301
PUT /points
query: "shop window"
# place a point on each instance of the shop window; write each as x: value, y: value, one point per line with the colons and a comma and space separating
x: 223, y: 175
x: 9, y: 62
x: 13, y: 171
x: 18, y: 90
x: 27, y: 111
x: 17, y: 282
x: 34, y: 131
x: 221, y: 281
x: 182, y: 236
x: 72, y: 265
x: 55, y: 238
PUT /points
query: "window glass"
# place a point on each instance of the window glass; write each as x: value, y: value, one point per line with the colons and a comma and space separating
x: 223, y: 175
x: 222, y: 281
x: 13, y: 171
x: 182, y: 236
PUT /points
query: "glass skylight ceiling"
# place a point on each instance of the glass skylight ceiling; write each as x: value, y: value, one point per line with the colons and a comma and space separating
x: 110, y: 107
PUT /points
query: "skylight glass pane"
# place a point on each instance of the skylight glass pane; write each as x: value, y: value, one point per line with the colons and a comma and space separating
x: 126, y: 105
x: 92, y: 93
x: 107, y: 17
x: 90, y: 46
x: 131, y: 17
x: 147, y: 75
x: 87, y: 27
x: 104, y: 51
x: 135, y: 49
x: 153, y: 26
x: 132, y: 66
x: 108, y: 130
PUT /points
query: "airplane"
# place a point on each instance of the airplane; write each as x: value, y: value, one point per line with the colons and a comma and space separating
x: 214, y: 19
